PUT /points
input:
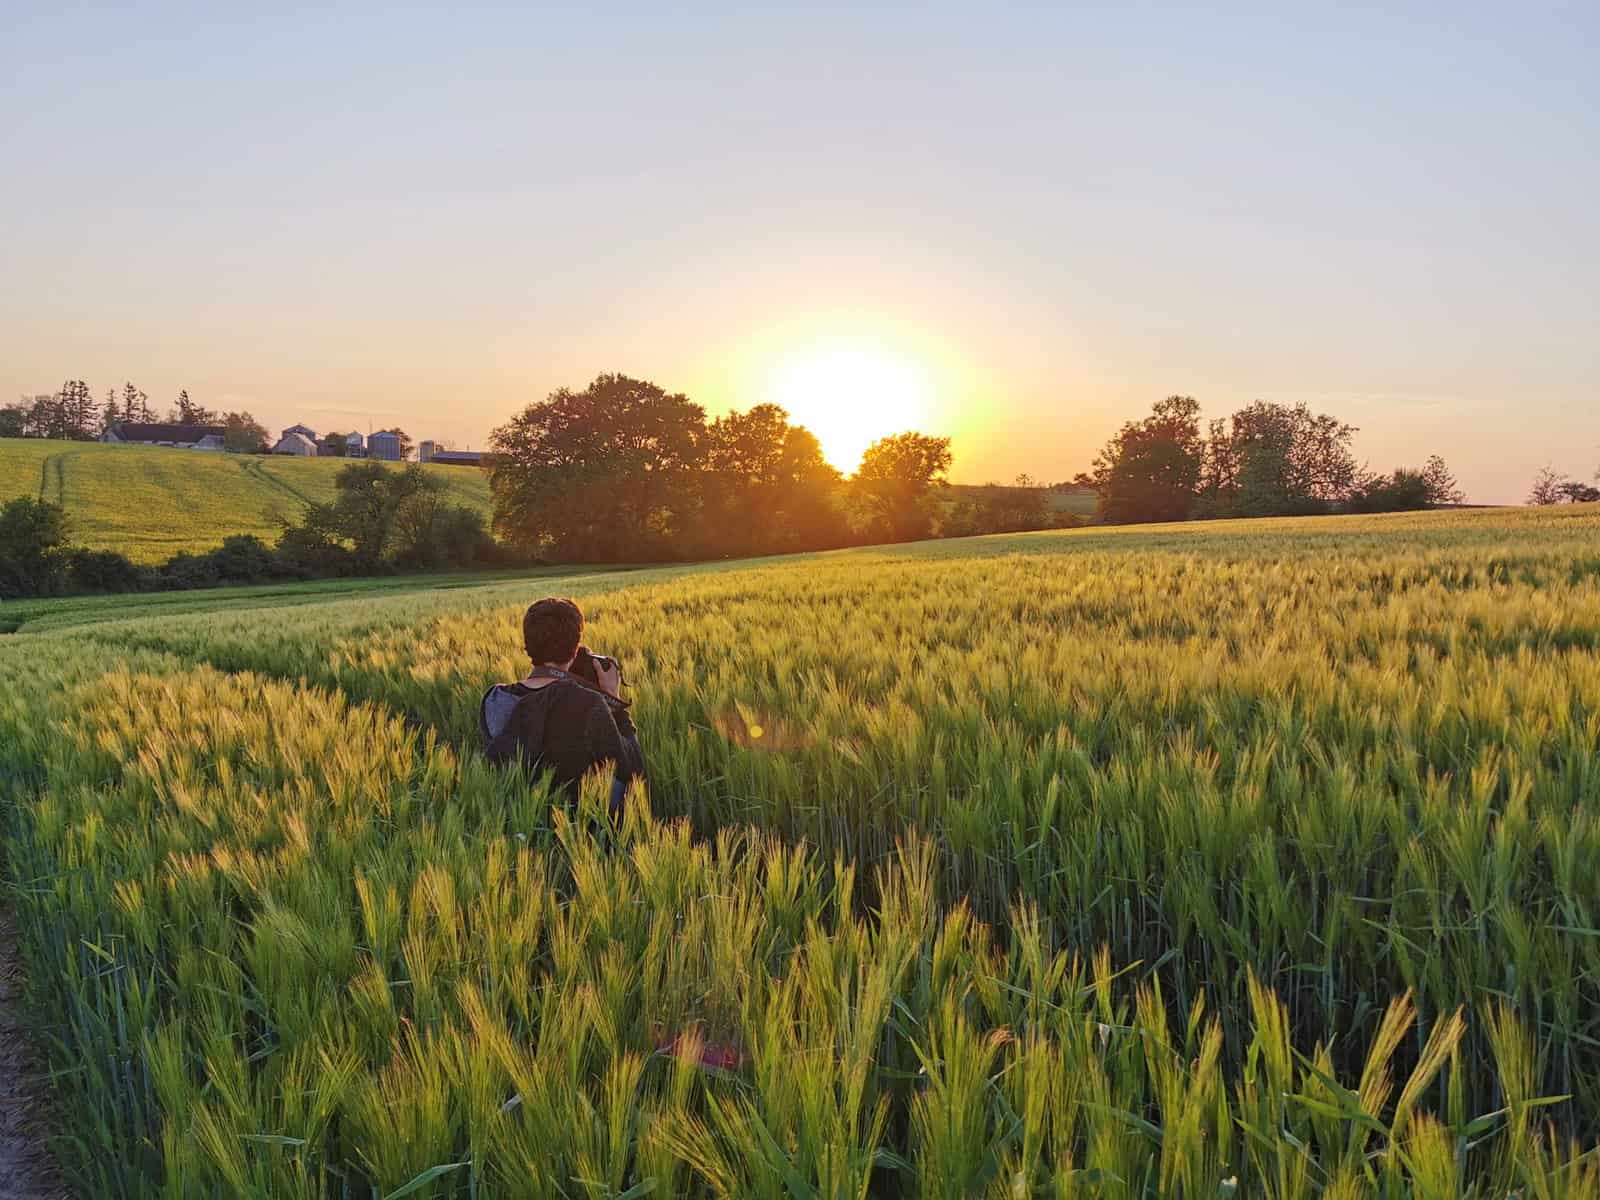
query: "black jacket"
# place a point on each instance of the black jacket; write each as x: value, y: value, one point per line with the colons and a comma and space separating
x: 566, y: 728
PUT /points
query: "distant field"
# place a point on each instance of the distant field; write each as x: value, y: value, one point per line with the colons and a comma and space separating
x: 149, y: 503
x: 37, y: 616
x: 1081, y: 503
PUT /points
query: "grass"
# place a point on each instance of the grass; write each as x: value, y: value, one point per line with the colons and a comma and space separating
x: 149, y: 502
x: 1236, y: 859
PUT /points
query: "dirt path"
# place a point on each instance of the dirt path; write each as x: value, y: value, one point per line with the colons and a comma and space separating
x: 27, y: 1171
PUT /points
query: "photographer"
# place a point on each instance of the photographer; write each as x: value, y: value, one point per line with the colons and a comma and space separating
x: 567, y: 717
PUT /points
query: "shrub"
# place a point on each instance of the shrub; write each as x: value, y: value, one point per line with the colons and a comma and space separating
x: 1404, y: 491
x: 102, y: 571
x: 307, y: 552
x: 245, y: 558
x: 33, y: 534
x: 184, y: 570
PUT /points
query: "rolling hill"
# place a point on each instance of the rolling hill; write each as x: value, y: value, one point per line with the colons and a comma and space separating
x: 149, y: 503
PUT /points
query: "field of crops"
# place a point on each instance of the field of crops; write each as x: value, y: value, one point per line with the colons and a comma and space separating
x: 149, y: 503
x: 1243, y: 859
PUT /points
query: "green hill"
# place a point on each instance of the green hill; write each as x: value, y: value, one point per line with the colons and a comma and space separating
x: 149, y: 503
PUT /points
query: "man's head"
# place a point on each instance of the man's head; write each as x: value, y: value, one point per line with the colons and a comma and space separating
x: 552, y: 630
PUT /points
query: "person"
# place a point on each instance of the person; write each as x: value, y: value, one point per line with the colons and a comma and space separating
x: 567, y: 717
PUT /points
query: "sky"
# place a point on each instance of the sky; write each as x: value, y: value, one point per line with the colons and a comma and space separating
x: 1015, y: 225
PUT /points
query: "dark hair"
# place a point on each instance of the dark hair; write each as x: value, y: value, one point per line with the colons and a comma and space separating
x: 551, y: 630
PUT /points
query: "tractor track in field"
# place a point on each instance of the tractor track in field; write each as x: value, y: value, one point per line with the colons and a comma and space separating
x: 259, y: 472
x: 27, y: 1169
x: 44, y: 474
x: 55, y: 464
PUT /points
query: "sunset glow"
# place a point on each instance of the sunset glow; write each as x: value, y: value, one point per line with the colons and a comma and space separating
x: 852, y: 395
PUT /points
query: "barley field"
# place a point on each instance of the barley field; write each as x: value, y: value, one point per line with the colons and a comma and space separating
x: 150, y: 502
x: 1246, y: 859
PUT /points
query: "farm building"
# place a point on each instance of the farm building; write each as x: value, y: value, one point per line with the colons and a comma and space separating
x: 305, y: 430
x: 150, y: 433
x: 455, y: 458
x: 296, y: 443
x: 355, y: 446
x: 385, y: 445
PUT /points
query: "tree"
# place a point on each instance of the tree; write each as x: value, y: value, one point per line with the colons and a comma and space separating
x: 68, y: 414
x: 894, y: 484
x: 765, y: 487
x: 430, y: 534
x: 1574, y: 492
x: 79, y: 415
x: 1547, y: 487
x: 33, y: 535
x: 807, y: 510
x: 1272, y: 460
x: 370, y: 496
x: 243, y: 434
x: 382, y: 518
x: 602, y: 475
x: 1442, y: 485
x: 110, y: 414
x: 14, y: 419
x: 135, y: 404
x: 1150, y: 469
x: 190, y: 413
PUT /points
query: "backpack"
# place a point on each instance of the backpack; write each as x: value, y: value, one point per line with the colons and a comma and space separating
x: 498, y: 723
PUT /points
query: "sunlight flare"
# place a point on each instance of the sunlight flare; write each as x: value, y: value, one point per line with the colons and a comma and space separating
x: 851, y: 395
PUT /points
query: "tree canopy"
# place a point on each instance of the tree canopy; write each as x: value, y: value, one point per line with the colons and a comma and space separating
x: 243, y: 434
x: 1150, y: 469
x: 895, y: 481
x: 1265, y: 459
x: 600, y: 475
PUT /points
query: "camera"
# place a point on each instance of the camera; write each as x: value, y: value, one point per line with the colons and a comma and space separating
x: 586, y: 666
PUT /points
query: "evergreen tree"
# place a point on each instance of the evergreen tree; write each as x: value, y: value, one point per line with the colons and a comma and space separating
x: 190, y: 413
x: 79, y: 411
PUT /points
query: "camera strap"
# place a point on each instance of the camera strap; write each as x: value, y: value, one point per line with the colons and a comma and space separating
x: 546, y: 671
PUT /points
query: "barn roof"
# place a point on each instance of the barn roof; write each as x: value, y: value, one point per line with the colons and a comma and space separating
x: 149, y: 431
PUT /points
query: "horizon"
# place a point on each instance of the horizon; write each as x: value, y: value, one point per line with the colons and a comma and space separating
x: 1018, y: 231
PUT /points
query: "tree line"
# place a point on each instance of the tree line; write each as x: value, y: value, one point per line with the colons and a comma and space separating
x: 1555, y: 487
x: 382, y: 520
x: 1264, y: 460
x: 73, y: 414
x: 624, y: 471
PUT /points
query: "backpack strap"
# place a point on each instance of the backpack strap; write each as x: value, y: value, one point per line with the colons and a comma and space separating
x: 501, y: 744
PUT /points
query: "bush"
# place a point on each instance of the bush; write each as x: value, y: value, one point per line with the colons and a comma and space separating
x: 245, y: 558
x: 33, y: 535
x: 184, y: 571
x: 1404, y: 491
x: 307, y: 553
x: 102, y: 571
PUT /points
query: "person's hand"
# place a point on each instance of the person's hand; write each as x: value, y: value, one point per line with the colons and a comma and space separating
x: 610, y: 677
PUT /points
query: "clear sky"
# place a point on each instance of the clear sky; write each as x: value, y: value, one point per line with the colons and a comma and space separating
x: 1021, y: 225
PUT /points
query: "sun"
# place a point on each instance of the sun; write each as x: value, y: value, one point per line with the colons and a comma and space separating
x: 851, y: 395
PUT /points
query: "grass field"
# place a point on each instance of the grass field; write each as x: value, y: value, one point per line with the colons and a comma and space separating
x: 1236, y: 859
x: 149, y: 502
